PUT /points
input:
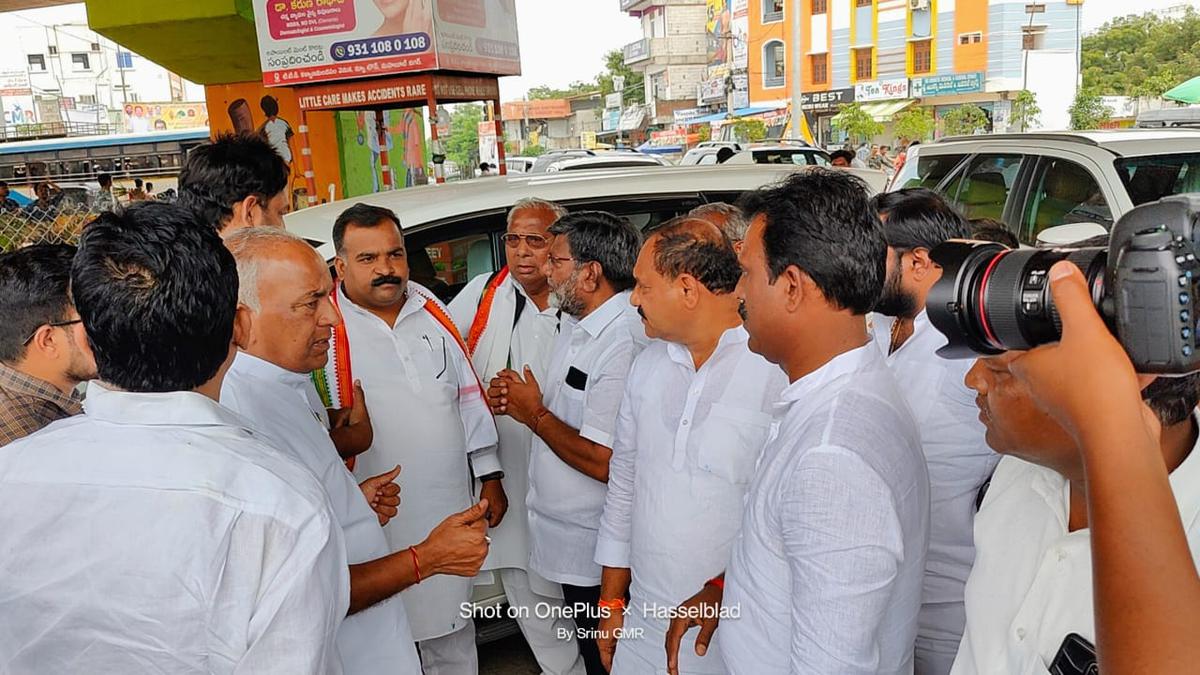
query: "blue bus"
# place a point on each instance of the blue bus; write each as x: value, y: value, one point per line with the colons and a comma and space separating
x: 79, y: 158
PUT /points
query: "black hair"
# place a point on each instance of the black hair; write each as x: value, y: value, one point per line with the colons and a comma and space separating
x: 843, y: 153
x: 918, y: 218
x: 361, y: 215
x: 137, y: 182
x: 104, y: 179
x: 269, y: 105
x: 157, y: 293
x: 724, y: 153
x: 1173, y: 399
x: 3, y: 183
x: 821, y: 221
x: 690, y: 245
x: 33, y: 292
x: 990, y: 229
x: 599, y: 236
x: 218, y: 175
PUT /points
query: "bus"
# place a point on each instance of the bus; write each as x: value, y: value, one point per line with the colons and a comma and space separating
x: 78, y: 159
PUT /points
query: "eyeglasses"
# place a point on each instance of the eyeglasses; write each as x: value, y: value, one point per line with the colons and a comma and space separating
x: 52, y: 324
x: 560, y: 261
x: 535, y: 241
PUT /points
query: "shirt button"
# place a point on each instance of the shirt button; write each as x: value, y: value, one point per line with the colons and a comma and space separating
x: 1020, y: 633
x: 685, y: 423
x: 1062, y: 554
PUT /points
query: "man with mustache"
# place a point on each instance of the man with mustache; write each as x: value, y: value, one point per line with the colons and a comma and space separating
x: 693, y: 422
x: 401, y: 343
x: 507, y: 321
x: 915, y: 220
x: 590, y: 272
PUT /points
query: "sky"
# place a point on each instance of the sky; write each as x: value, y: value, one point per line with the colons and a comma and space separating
x: 565, y: 40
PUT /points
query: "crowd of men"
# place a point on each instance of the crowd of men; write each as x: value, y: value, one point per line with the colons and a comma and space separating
x: 734, y: 421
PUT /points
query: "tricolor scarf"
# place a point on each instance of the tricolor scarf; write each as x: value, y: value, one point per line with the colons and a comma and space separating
x: 480, y: 323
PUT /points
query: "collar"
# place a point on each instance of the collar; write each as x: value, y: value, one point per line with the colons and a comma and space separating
x: 414, y: 302
x: 731, y: 338
x: 606, y: 313
x: 855, y: 360
x: 175, y: 408
x: 24, y: 383
x: 261, y: 368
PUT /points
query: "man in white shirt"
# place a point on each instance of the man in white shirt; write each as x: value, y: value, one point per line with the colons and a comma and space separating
x: 507, y: 321
x: 158, y: 531
x: 915, y: 220
x: 286, y: 320
x: 590, y: 271
x: 1031, y: 586
x: 695, y: 417
x: 826, y: 572
x: 402, y: 345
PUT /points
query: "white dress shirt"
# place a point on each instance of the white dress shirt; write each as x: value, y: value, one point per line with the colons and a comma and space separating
x: 826, y: 571
x: 959, y: 461
x: 502, y: 346
x: 686, y: 446
x: 414, y: 376
x: 564, y: 504
x: 279, y: 403
x: 158, y: 533
x: 1032, y: 581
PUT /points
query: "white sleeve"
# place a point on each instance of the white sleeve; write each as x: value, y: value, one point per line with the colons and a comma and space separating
x: 464, y: 305
x: 300, y: 597
x: 844, y: 545
x: 616, y: 525
x: 603, y: 393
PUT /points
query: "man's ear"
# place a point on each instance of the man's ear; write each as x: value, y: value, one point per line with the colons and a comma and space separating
x: 243, y: 211
x: 46, y: 342
x: 339, y: 268
x: 795, y: 286
x: 690, y: 288
x: 922, y: 264
x: 243, y: 323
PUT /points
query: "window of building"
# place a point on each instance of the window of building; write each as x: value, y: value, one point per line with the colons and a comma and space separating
x: 862, y: 3
x: 820, y: 68
x: 774, y: 64
x: 80, y: 62
x: 37, y: 62
x: 864, y: 65
x: 87, y: 99
x: 95, y: 46
x: 53, y: 49
x: 124, y: 60
x: 922, y: 56
x: 970, y: 38
x: 133, y: 97
x: 820, y: 6
x: 772, y: 10
x: 1033, y: 37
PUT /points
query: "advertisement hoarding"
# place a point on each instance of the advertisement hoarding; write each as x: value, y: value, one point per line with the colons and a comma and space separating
x: 143, y: 117
x: 947, y: 85
x: 881, y: 90
x: 306, y: 41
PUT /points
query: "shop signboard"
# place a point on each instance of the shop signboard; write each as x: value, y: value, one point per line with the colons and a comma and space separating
x: 821, y: 101
x: 947, y: 85
x: 881, y: 90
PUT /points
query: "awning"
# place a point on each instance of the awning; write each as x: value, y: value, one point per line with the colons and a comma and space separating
x: 660, y: 149
x: 737, y: 112
x: 882, y: 111
x: 1188, y: 92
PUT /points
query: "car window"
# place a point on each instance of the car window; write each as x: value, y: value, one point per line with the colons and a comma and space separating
x: 445, y: 266
x: 982, y: 190
x: 781, y: 157
x: 697, y: 156
x: 926, y: 172
x: 1149, y: 179
x: 1065, y: 193
x: 710, y: 158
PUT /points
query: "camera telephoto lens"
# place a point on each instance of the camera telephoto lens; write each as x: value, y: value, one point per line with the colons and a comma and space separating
x: 991, y: 299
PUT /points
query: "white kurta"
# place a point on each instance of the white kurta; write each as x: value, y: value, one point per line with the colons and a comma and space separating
x: 280, y: 405
x: 826, y: 571
x: 1032, y: 581
x: 959, y: 461
x: 428, y: 416
x: 564, y: 504
x: 503, y: 346
x: 686, y: 446
x: 157, y: 533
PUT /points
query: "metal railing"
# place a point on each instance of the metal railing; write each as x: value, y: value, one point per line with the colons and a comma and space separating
x: 29, y: 132
x: 59, y: 223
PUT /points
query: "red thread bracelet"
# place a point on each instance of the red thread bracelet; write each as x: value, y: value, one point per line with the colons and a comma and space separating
x: 416, y: 563
x: 718, y: 582
x: 615, y: 603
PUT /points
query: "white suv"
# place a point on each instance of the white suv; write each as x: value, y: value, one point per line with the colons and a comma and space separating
x: 1037, y: 181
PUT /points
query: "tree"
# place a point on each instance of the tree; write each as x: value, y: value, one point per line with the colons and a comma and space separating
x: 856, y: 122
x: 533, y: 150
x: 964, y: 120
x: 462, y: 144
x: 576, y: 88
x: 614, y: 64
x: 1141, y: 55
x: 1025, y: 110
x: 749, y: 131
x: 1088, y: 110
x: 915, y: 124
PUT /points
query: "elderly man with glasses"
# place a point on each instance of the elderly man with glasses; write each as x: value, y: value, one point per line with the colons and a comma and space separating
x: 507, y: 321
x: 41, y: 361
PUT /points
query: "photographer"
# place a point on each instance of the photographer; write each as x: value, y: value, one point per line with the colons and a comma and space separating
x: 1146, y: 589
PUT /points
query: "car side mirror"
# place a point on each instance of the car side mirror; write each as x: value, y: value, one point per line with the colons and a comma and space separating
x: 1066, y: 235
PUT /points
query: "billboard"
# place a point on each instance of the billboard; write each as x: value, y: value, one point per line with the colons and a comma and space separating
x: 16, y: 96
x: 143, y: 117
x: 302, y: 41
x: 717, y: 30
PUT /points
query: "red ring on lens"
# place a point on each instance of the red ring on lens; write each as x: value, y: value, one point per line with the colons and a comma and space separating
x: 983, y: 320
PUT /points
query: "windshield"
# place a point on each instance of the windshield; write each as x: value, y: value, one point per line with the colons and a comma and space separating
x: 1149, y: 179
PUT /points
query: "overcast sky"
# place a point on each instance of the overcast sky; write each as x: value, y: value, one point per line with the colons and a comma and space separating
x: 565, y: 40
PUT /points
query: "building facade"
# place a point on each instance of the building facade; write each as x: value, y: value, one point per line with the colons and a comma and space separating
x: 892, y: 54
x: 671, y: 57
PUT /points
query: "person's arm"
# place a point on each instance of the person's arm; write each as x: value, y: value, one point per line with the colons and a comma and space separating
x: 843, y: 543
x: 616, y: 527
x: 350, y: 428
x: 456, y: 547
x: 1147, y: 591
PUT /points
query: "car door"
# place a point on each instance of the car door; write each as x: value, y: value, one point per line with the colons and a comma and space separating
x: 1063, y: 189
x: 983, y: 187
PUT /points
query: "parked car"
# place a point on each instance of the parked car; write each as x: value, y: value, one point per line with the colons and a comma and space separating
x: 519, y: 164
x: 607, y: 161
x: 772, y: 152
x: 1056, y: 187
x: 543, y: 161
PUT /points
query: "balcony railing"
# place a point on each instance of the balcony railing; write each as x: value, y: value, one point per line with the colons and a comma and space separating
x: 774, y: 81
x: 28, y: 132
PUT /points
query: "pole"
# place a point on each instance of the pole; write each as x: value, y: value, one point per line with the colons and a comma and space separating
x: 439, y: 167
x: 310, y: 181
x: 503, y: 166
x: 797, y: 76
x: 384, y: 161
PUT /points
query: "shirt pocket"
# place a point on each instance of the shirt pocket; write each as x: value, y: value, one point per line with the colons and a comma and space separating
x: 731, y: 441
x: 569, y: 405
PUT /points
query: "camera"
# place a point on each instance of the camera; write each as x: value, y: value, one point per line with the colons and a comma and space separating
x: 1145, y: 283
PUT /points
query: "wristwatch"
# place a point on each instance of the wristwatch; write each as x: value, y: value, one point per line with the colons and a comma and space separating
x: 495, y: 475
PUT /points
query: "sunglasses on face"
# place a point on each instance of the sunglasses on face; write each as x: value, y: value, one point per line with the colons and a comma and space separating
x: 535, y: 241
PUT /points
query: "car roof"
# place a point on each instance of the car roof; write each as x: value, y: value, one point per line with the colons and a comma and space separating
x: 417, y: 206
x: 1117, y: 141
x: 614, y: 160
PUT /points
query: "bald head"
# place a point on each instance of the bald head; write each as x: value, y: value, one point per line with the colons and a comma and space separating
x: 727, y: 217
